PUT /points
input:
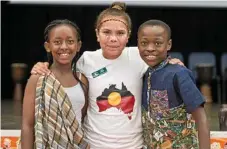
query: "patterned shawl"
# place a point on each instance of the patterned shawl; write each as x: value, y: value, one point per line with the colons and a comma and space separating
x: 55, y: 121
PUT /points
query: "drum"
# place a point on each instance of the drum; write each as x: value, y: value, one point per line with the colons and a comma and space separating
x: 18, y: 71
x: 223, y: 110
x: 205, y: 74
x: 223, y: 117
x: 224, y: 85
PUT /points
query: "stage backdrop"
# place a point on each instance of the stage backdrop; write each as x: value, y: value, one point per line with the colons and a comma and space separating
x: 22, y: 26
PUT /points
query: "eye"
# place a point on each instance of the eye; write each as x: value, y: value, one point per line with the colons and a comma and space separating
x: 143, y: 43
x: 70, y: 41
x: 158, y: 43
x: 106, y: 32
x: 121, y: 33
x: 57, y: 42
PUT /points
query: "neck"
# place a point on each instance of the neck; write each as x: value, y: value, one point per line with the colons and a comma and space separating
x: 160, y: 63
x: 61, y: 69
x: 110, y: 57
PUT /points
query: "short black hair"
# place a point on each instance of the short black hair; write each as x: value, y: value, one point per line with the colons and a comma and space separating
x: 156, y: 23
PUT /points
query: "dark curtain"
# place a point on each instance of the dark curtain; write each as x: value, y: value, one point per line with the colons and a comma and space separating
x: 22, y: 26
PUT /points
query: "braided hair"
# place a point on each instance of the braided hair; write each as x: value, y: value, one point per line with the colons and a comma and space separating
x: 55, y: 23
x: 47, y: 30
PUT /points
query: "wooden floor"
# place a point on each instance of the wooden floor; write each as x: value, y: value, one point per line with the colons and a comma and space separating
x: 11, y: 115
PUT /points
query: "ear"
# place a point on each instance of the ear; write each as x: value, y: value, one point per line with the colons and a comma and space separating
x: 128, y: 37
x: 79, y: 46
x: 46, y: 46
x: 169, y: 45
x: 97, y: 34
x: 129, y: 33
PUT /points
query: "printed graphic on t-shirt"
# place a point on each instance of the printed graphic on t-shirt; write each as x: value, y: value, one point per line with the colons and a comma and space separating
x: 113, y: 97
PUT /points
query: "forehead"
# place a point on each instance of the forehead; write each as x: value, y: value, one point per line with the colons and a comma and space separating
x: 155, y: 30
x: 62, y: 29
x: 113, y: 23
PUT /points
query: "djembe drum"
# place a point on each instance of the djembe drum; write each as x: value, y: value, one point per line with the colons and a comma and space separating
x: 18, y: 71
x: 223, y: 110
x: 205, y: 74
x: 223, y: 117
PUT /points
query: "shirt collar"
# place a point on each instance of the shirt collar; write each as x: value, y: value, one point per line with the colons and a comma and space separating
x: 160, y: 65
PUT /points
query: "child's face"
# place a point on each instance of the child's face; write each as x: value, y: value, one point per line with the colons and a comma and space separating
x: 153, y: 44
x: 63, y: 44
x: 112, y: 36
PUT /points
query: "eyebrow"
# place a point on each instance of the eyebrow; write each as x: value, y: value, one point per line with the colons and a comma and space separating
x: 155, y: 38
x: 158, y: 34
x: 158, y: 38
x: 114, y: 30
x: 61, y: 38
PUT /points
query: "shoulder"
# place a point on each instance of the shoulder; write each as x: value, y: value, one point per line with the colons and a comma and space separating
x: 178, y: 69
x: 91, y: 54
x: 133, y: 51
x: 181, y: 73
x: 84, y: 80
x: 175, y: 72
x: 85, y: 83
x: 87, y: 59
x: 34, y: 79
x: 32, y: 82
x: 134, y: 55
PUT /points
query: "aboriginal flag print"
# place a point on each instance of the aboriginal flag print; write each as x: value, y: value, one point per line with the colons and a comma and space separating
x: 122, y: 99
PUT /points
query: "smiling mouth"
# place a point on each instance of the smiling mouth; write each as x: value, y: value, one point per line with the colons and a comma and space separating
x: 114, y: 47
x: 150, y: 57
x: 64, y: 55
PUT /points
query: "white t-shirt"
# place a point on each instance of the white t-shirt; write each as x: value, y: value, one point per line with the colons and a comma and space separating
x: 115, y: 88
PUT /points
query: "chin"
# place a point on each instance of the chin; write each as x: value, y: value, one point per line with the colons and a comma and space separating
x: 64, y: 62
x: 114, y: 53
x: 151, y: 64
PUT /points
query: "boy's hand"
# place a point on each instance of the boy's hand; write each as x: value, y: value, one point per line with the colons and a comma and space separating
x: 176, y: 61
x: 40, y: 68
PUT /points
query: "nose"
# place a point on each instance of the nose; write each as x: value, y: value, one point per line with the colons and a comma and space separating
x: 64, y: 45
x: 151, y: 47
x: 113, y: 38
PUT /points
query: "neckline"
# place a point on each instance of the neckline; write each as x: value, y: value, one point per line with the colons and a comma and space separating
x: 112, y: 60
x: 71, y: 87
x: 52, y: 73
x: 160, y: 65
